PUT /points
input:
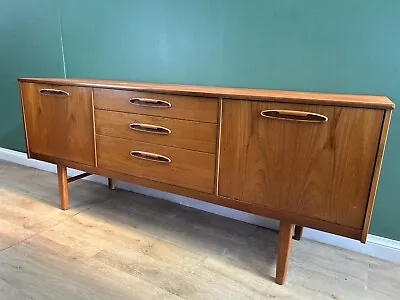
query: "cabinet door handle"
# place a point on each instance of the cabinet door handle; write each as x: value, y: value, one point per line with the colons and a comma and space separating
x: 150, y: 128
x: 53, y: 92
x: 150, y: 102
x: 294, y: 115
x: 151, y: 156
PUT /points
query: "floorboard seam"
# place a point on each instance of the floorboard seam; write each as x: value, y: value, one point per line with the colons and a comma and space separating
x: 43, y: 231
x: 19, y: 290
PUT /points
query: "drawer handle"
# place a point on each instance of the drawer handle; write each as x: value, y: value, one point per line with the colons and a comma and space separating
x: 53, y: 92
x: 151, y: 156
x: 150, y: 102
x: 294, y: 115
x: 150, y: 128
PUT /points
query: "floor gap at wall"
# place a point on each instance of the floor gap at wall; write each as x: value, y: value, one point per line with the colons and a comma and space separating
x: 376, y: 246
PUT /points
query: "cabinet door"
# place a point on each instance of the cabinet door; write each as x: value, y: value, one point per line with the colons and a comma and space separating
x: 298, y: 162
x: 59, y: 121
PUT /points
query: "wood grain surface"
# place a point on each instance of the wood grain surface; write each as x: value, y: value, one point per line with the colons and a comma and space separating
x: 60, y: 126
x: 322, y: 170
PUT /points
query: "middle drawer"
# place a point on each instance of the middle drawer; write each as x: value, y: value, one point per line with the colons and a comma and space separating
x: 157, y: 130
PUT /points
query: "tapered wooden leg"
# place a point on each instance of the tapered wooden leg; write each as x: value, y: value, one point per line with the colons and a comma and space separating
x: 298, y: 232
x: 111, y: 184
x: 63, y: 186
x: 284, y: 244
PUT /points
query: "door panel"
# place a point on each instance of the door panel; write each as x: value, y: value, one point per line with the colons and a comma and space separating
x: 317, y: 164
x: 59, y: 121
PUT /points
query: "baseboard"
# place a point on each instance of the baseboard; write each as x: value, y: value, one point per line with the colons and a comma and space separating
x: 376, y: 246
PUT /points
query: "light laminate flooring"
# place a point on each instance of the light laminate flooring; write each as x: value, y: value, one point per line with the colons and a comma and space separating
x: 122, y: 245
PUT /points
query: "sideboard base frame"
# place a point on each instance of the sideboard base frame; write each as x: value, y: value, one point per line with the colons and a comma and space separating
x: 287, y: 220
x: 284, y: 246
x: 63, y: 181
x: 298, y: 232
x: 300, y: 220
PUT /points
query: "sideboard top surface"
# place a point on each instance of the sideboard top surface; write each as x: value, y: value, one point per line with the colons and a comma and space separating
x: 380, y: 102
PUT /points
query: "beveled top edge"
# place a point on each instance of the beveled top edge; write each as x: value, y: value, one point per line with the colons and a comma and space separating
x: 367, y: 101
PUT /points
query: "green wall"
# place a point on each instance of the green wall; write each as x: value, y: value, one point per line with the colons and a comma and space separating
x: 341, y: 46
x: 29, y: 46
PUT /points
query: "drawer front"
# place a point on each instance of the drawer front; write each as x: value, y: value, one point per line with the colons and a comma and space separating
x: 157, y: 130
x: 305, y: 159
x: 185, y: 168
x: 163, y: 105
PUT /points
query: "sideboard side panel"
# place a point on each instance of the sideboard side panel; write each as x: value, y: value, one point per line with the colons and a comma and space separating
x: 21, y: 88
x: 377, y: 171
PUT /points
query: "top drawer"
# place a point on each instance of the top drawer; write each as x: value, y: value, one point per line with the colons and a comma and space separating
x: 173, y: 106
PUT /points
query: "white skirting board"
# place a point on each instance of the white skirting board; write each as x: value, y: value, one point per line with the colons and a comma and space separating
x: 376, y: 246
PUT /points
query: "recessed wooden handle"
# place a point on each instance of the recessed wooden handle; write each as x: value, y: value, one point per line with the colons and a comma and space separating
x: 151, y: 156
x: 150, y: 102
x: 150, y: 128
x: 53, y: 92
x: 294, y: 115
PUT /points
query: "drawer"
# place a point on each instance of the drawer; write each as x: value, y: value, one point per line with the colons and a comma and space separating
x: 157, y: 130
x: 163, y: 105
x: 180, y: 167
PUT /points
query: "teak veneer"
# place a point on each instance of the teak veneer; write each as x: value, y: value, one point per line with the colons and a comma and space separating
x: 306, y: 159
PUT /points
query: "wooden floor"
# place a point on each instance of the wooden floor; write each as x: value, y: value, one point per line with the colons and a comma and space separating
x: 121, y: 245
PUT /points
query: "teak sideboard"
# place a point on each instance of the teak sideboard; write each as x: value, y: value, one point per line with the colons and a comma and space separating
x: 306, y: 159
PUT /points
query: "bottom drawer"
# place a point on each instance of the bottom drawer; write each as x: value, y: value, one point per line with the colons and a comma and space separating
x: 186, y: 168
